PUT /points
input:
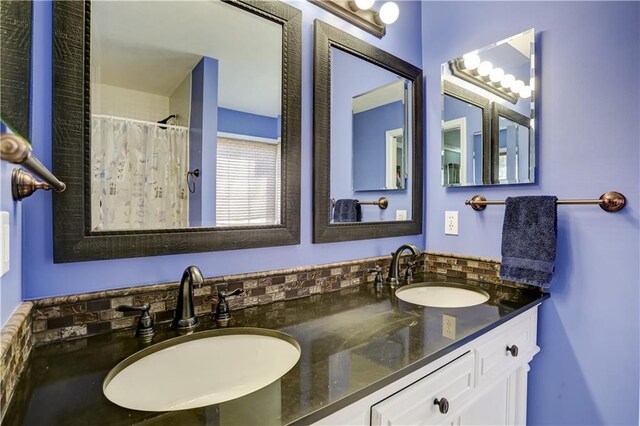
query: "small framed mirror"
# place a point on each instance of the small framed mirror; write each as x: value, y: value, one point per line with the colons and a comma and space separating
x: 465, y: 123
x: 176, y: 126
x: 488, y: 111
x: 379, y: 148
x: 367, y: 140
x: 511, y: 143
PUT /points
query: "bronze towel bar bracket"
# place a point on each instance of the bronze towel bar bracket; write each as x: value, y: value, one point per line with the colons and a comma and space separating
x: 16, y: 150
x: 382, y: 202
x: 610, y: 201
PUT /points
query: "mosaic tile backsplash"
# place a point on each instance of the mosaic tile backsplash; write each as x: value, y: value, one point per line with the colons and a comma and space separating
x: 468, y: 267
x: 61, y: 318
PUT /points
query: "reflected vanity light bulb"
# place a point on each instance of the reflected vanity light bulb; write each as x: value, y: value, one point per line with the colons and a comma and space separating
x: 484, y: 69
x: 389, y: 12
x: 496, y: 75
x: 525, y: 92
x: 517, y: 86
x: 364, y: 4
x: 471, y: 61
x: 507, y: 81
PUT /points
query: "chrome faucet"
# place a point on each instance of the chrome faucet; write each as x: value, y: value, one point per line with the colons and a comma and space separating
x: 394, y: 269
x: 185, y: 317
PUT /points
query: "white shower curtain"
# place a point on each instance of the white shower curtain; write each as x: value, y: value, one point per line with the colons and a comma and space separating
x: 138, y: 174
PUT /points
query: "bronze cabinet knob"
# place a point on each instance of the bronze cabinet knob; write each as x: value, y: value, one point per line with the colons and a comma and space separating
x: 443, y: 405
x: 513, y: 350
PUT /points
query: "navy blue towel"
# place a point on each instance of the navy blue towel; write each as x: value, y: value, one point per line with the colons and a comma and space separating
x: 529, y: 235
x: 347, y: 211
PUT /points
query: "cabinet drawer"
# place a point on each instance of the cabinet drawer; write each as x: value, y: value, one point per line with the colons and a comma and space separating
x: 494, y: 358
x: 414, y: 405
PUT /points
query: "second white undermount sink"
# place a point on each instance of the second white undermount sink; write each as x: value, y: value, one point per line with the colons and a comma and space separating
x: 201, y: 369
x: 441, y: 295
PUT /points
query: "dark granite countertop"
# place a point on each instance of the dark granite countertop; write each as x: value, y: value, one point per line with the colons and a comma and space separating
x: 354, y: 342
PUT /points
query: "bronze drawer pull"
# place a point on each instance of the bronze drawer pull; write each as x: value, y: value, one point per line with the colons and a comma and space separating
x: 443, y: 405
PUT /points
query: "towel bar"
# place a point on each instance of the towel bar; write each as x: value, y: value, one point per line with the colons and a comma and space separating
x: 382, y: 202
x: 610, y: 201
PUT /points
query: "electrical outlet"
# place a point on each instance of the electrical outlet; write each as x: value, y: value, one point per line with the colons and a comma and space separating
x: 451, y: 223
x: 449, y: 326
x: 401, y: 215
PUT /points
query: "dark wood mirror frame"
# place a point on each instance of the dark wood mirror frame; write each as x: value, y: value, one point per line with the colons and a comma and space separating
x: 15, y: 53
x: 326, y: 37
x: 468, y: 96
x: 72, y: 235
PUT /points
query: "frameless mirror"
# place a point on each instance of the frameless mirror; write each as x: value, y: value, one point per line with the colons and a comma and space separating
x: 488, y: 133
x: 367, y: 140
x: 182, y: 134
x: 370, y: 140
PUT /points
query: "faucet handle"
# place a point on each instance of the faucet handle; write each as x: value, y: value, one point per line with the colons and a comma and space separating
x: 145, y: 323
x: 408, y: 274
x: 223, y: 313
x: 223, y: 295
x: 378, y: 271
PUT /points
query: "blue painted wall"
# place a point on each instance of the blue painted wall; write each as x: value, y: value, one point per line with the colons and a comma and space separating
x: 203, y: 141
x: 245, y: 123
x: 370, y: 143
x: 588, y: 143
x: 348, y: 80
x: 43, y: 278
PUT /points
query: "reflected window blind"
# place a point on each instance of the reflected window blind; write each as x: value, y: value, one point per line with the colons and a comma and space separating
x: 247, y: 183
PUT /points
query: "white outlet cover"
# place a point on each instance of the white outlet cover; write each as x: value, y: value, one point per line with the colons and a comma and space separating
x: 401, y: 215
x: 451, y: 223
x: 5, y: 243
x: 449, y: 326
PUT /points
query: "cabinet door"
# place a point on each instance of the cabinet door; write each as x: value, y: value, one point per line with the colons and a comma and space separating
x: 494, y: 405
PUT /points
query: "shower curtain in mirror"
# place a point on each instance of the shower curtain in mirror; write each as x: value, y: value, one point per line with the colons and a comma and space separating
x: 138, y: 174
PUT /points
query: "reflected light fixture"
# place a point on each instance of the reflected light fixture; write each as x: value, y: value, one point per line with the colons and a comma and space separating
x: 496, y: 75
x: 507, y: 81
x: 517, y: 86
x: 471, y: 61
x: 389, y: 12
x: 473, y: 69
x: 525, y: 92
x: 484, y: 69
x: 364, y: 4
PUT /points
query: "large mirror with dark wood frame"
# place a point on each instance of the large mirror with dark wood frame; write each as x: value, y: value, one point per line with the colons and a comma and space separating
x: 15, y: 71
x: 367, y: 140
x: 176, y: 127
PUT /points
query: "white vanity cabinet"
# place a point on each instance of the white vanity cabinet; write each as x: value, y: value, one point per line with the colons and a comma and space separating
x: 483, y: 382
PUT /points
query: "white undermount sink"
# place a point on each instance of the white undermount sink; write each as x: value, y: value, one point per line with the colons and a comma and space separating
x: 441, y: 295
x: 201, y: 369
